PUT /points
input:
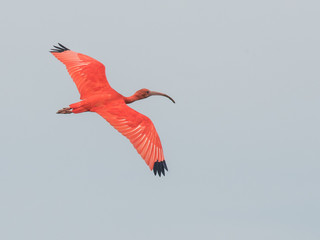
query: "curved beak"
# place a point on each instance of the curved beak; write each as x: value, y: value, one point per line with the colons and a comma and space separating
x: 161, y: 94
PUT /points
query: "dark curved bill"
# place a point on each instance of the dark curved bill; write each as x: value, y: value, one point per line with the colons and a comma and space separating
x: 161, y: 94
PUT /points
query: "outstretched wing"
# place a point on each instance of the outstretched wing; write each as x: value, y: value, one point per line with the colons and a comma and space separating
x: 87, y: 73
x: 140, y: 130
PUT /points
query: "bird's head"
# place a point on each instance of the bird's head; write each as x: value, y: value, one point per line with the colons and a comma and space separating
x: 144, y: 93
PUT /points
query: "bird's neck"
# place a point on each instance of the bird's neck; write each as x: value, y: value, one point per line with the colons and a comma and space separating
x: 131, y: 99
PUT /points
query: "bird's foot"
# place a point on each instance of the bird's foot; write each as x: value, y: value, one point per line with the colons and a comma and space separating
x: 66, y: 110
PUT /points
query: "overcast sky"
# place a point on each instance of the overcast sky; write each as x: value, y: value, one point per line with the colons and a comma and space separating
x: 241, y: 142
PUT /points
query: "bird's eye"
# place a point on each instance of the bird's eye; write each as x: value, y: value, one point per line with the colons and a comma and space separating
x: 148, y: 92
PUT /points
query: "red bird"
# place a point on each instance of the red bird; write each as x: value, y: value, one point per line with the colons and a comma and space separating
x: 97, y: 96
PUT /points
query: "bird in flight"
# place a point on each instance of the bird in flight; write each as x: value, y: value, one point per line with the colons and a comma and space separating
x: 98, y: 96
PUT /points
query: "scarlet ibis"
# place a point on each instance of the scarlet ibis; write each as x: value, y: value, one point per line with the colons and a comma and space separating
x: 97, y: 96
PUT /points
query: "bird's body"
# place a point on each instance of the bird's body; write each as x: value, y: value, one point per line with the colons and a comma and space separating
x: 98, y: 96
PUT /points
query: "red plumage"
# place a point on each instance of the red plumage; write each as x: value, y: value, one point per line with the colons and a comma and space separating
x: 97, y: 96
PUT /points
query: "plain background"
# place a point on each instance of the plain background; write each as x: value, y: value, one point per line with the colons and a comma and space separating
x: 241, y: 142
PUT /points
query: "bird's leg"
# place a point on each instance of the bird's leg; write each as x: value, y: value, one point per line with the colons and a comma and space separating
x: 66, y: 110
x: 78, y: 107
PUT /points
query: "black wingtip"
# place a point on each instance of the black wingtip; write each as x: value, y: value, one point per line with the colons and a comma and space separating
x: 160, y: 167
x: 59, y: 48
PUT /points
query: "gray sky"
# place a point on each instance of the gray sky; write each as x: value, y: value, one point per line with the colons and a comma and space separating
x: 241, y: 142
